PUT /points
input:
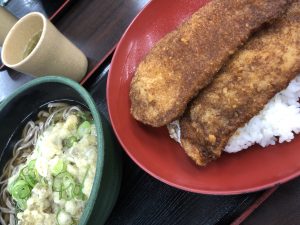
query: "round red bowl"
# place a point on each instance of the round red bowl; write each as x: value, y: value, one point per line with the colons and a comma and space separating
x: 154, y: 151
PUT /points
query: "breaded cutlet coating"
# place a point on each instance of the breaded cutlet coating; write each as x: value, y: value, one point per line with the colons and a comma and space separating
x: 187, y: 59
x: 262, y: 68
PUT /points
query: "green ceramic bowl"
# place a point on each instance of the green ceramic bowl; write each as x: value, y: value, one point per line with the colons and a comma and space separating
x: 26, y: 101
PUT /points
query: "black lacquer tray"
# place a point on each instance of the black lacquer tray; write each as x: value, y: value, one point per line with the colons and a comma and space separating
x: 143, y: 199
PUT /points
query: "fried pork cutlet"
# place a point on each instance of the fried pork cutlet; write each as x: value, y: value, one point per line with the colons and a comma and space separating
x: 263, y: 67
x: 186, y: 60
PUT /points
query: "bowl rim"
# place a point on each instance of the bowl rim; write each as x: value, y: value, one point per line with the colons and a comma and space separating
x: 99, y: 129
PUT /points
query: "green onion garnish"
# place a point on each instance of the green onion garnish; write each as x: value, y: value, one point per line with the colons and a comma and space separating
x: 77, y: 190
x: 21, y: 190
x: 31, y: 164
x: 68, y: 193
x: 59, y: 167
x: 62, y: 181
x: 68, y: 188
x: 69, y: 142
x: 57, y: 217
x: 84, y: 128
x: 21, y: 203
x: 30, y: 174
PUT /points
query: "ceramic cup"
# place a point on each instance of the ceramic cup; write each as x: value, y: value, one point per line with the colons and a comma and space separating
x: 7, y: 20
x: 34, y: 46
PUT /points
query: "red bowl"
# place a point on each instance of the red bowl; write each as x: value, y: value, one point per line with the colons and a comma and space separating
x: 152, y: 148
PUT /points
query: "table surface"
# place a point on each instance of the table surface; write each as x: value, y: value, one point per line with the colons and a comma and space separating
x: 96, y: 26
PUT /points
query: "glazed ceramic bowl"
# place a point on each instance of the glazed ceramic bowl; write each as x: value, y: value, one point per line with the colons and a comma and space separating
x: 24, y: 104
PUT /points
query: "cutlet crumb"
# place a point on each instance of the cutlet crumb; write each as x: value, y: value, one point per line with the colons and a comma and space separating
x: 212, y: 139
x: 180, y: 64
x: 250, y: 81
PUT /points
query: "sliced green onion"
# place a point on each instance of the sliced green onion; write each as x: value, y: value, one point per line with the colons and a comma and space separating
x: 69, y: 142
x: 68, y: 180
x: 62, y: 181
x: 57, y: 184
x: 67, y: 187
x: 59, y: 167
x: 22, y: 204
x: 30, y: 175
x: 30, y: 180
x: 78, y: 194
x: 21, y: 190
x: 31, y: 164
x: 77, y: 190
x: 44, y: 182
x: 57, y: 217
x: 68, y: 193
x: 60, y: 191
x: 84, y: 128
x: 85, y: 175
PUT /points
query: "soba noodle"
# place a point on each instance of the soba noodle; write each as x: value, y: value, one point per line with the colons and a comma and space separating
x: 24, y: 147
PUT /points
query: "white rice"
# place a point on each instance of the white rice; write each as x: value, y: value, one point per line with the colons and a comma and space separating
x: 279, y: 121
x: 174, y: 130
